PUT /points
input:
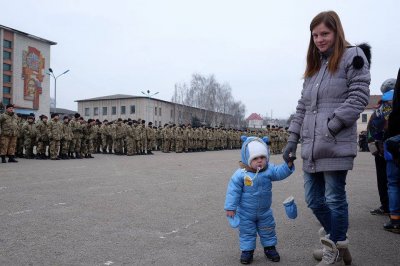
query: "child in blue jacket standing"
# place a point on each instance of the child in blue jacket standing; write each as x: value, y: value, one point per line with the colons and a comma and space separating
x: 249, y: 196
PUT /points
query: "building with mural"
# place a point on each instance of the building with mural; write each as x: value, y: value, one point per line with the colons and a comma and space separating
x: 159, y: 112
x: 24, y: 59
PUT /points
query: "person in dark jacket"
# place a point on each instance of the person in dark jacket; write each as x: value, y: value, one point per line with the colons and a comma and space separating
x: 377, y: 131
x: 392, y: 151
x: 335, y: 92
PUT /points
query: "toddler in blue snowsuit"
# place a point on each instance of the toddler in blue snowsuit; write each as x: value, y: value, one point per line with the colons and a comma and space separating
x: 249, y: 196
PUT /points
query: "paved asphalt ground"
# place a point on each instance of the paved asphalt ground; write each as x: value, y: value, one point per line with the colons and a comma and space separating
x: 165, y: 209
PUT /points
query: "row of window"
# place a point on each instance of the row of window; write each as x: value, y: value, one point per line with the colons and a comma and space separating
x: 7, y: 67
x: 113, y: 110
x: 157, y: 110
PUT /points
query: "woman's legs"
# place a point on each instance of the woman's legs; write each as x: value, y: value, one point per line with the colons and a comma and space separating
x: 326, y: 197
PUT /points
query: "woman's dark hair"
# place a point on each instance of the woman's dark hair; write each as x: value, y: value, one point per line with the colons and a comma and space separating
x: 332, y: 21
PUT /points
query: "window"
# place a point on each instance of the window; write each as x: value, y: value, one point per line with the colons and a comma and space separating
x: 7, y: 44
x: 155, y: 110
x: 96, y: 111
x: 6, y: 55
x: 6, y: 78
x: 87, y: 111
x: 132, y: 109
x: 172, y: 113
x: 123, y: 110
x: 104, y: 110
x: 159, y: 123
x: 6, y: 90
x: 6, y: 101
x: 364, y: 118
x: 114, y: 110
x: 159, y: 111
x: 155, y: 122
x: 6, y: 67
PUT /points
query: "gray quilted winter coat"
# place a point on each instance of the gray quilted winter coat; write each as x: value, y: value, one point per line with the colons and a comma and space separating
x: 327, y: 112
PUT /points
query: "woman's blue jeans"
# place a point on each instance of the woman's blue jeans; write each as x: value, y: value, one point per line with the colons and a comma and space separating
x: 326, y: 196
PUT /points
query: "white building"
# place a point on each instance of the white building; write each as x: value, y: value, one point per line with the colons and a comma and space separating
x: 157, y: 111
x: 24, y: 61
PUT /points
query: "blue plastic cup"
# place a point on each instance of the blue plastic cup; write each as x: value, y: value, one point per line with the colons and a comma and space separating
x: 290, y: 207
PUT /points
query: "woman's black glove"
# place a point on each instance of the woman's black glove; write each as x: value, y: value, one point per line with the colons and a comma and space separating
x: 289, y: 153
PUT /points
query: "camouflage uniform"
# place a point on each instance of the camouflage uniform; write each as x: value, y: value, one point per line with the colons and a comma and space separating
x: 42, y: 138
x: 29, y: 132
x: 20, y: 139
x: 119, y: 136
x: 178, y: 139
x: 65, y: 139
x: 55, y: 135
x: 150, y: 135
x: 8, y: 135
x: 166, y: 138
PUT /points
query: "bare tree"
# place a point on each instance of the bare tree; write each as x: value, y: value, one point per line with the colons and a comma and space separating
x: 215, y: 99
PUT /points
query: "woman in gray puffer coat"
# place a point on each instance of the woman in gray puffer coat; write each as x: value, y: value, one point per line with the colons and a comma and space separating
x: 335, y: 92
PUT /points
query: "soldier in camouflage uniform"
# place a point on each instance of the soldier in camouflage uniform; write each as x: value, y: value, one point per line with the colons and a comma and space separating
x: 19, y: 152
x: 130, y: 139
x: 8, y: 134
x: 90, y: 136
x: 150, y: 135
x: 29, y: 132
x: 42, y: 138
x: 190, y: 137
x: 66, y: 138
x: 75, y: 146
x: 178, y: 139
x: 185, y: 138
x: 55, y: 135
x: 106, y: 140
x: 166, y: 138
x: 159, y: 138
x: 119, y: 135
x: 97, y: 140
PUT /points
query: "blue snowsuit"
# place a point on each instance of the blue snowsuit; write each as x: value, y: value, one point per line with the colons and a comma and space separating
x: 252, y: 202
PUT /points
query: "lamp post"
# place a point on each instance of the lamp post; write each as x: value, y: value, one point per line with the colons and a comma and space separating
x: 149, y: 95
x: 51, y: 73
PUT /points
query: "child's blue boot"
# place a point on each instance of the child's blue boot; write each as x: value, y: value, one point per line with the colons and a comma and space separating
x: 246, y: 257
x: 272, y: 254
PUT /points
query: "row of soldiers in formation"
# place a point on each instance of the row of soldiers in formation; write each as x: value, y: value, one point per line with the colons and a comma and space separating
x: 75, y: 137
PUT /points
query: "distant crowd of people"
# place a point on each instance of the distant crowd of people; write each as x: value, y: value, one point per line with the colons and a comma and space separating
x: 76, y: 138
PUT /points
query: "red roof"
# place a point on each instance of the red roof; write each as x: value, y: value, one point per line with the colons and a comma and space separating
x: 254, y: 116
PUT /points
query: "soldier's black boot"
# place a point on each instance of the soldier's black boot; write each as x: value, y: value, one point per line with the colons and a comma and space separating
x: 78, y: 155
x: 90, y: 156
x: 3, y: 159
x: 71, y: 156
x: 11, y: 159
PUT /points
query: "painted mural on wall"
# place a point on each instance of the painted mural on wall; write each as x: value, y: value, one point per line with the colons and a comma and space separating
x: 32, y: 73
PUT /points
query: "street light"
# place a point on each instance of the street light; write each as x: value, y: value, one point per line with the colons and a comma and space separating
x: 51, y: 73
x: 149, y: 95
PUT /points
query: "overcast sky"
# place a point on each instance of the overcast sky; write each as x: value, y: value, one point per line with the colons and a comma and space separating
x: 257, y: 46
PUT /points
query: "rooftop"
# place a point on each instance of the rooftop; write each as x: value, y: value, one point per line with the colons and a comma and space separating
x: 254, y: 116
x: 28, y: 35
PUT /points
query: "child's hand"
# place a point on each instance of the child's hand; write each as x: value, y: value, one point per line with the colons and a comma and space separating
x: 230, y: 213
